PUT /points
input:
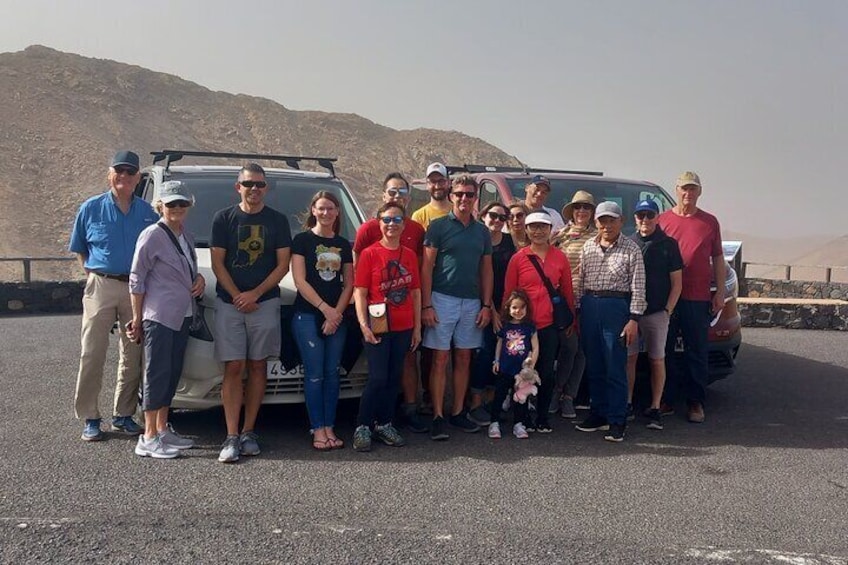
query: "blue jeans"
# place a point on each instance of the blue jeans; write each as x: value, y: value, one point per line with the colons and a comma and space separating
x: 692, y: 319
x: 385, y: 367
x: 601, y: 323
x: 321, y: 356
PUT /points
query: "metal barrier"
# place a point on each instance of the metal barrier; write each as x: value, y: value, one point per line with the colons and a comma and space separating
x: 787, y: 269
x: 27, y: 263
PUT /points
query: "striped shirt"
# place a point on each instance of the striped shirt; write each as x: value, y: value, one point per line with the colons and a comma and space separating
x: 617, y: 268
x: 571, y: 240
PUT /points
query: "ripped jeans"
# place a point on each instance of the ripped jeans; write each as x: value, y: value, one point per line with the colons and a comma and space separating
x: 321, y: 357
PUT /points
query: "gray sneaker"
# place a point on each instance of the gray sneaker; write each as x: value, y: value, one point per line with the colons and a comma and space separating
x: 230, y: 450
x: 389, y: 435
x: 480, y: 416
x: 248, y: 444
x: 554, y: 407
x: 154, y: 448
x: 362, y: 439
x: 171, y: 438
x: 567, y: 409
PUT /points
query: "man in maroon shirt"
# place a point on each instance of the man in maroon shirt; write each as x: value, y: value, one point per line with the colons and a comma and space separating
x: 699, y: 236
x: 396, y: 191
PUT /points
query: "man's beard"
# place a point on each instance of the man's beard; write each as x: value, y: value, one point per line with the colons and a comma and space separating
x: 439, y: 195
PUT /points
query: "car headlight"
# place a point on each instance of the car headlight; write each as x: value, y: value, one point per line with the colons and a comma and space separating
x: 199, y: 328
x: 731, y: 285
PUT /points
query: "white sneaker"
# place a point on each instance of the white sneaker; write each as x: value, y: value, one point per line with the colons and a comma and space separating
x: 155, y: 448
x: 495, y: 430
x: 519, y: 431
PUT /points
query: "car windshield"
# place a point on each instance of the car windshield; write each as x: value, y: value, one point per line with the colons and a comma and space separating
x: 624, y: 194
x: 286, y: 194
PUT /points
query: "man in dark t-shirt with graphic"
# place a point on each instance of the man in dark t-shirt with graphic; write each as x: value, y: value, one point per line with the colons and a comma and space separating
x: 250, y: 250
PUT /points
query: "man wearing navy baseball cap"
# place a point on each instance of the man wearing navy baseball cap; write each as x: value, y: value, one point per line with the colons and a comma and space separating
x: 535, y: 194
x: 104, y: 235
x: 663, y: 283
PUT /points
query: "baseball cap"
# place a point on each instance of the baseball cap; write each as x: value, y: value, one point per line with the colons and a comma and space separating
x: 540, y: 217
x: 608, y: 208
x: 688, y: 178
x: 647, y: 206
x: 127, y: 158
x: 173, y: 190
x: 539, y: 179
x: 437, y: 168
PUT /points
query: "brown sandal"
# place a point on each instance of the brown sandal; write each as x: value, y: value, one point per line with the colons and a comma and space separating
x: 335, y: 442
x: 322, y: 445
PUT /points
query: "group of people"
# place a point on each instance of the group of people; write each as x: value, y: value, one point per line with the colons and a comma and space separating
x: 447, y: 289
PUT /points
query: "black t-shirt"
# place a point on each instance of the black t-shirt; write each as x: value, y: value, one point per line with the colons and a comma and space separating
x: 662, y: 256
x: 516, y: 346
x: 251, y: 241
x: 324, y: 257
x: 501, y: 254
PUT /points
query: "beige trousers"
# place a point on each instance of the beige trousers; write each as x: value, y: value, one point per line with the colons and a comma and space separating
x: 104, y: 302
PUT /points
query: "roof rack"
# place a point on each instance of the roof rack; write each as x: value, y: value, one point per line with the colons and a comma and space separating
x: 524, y: 170
x: 173, y: 155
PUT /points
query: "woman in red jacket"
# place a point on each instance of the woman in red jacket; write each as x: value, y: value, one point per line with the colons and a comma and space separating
x: 524, y: 274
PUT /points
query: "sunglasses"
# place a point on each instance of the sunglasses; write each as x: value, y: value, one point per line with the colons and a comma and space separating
x: 643, y: 215
x: 131, y: 171
x: 391, y: 219
x: 395, y: 192
x: 252, y: 183
x: 178, y: 204
x: 471, y: 195
x: 583, y: 207
x: 495, y: 216
x: 517, y: 216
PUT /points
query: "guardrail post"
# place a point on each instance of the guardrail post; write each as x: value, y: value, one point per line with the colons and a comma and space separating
x: 788, y: 275
x: 27, y: 270
x: 827, y: 274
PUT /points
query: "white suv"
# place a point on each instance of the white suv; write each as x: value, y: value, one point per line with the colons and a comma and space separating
x: 289, y: 192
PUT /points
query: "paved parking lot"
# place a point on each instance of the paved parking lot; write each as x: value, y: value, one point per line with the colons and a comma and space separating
x: 765, y: 480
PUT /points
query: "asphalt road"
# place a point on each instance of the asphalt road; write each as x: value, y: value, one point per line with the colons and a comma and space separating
x: 764, y: 480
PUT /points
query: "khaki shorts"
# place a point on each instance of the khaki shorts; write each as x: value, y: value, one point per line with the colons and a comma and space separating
x: 653, y: 330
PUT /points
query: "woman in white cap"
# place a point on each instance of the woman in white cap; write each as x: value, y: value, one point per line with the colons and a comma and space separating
x: 535, y: 269
x: 571, y: 362
x: 163, y: 284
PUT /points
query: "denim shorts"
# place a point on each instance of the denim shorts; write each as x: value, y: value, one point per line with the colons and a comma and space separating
x: 457, y: 323
x: 653, y: 330
x: 240, y: 336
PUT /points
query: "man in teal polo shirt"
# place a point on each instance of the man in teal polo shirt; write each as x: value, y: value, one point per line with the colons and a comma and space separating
x: 456, y: 298
x: 104, y: 235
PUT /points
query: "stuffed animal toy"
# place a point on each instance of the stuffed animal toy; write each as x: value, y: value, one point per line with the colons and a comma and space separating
x: 525, y: 383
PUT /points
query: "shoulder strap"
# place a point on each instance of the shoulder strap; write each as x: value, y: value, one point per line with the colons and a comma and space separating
x: 179, y: 247
x: 535, y: 261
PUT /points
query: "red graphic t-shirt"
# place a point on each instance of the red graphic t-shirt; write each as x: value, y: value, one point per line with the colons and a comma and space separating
x: 390, y: 275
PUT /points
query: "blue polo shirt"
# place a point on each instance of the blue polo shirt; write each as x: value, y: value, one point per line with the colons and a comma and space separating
x: 107, y: 235
x: 461, y: 247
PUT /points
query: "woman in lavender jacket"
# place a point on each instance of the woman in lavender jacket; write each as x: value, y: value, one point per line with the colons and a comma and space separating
x: 163, y: 282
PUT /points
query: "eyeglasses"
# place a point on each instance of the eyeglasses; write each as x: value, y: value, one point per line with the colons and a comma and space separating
x: 469, y: 195
x: 131, y: 171
x: 395, y: 192
x: 495, y: 216
x: 325, y: 209
x: 517, y: 216
x: 178, y: 204
x: 252, y: 183
x: 391, y: 219
x: 538, y: 226
x: 648, y: 215
x: 437, y: 182
x: 582, y: 206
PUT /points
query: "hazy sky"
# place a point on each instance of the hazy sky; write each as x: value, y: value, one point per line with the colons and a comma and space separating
x: 750, y: 94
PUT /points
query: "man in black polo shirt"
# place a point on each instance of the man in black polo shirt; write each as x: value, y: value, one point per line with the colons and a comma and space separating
x: 663, y: 283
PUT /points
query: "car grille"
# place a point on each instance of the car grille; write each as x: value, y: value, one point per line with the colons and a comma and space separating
x: 293, y: 384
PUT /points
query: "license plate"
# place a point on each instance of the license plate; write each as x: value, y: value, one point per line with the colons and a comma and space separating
x: 276, y: 370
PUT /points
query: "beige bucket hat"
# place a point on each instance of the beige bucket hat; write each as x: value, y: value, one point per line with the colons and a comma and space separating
x: 580, y: 197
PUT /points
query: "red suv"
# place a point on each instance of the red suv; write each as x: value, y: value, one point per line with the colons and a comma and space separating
x: 505, y: 184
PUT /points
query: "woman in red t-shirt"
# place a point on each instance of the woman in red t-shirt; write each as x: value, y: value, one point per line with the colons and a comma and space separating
x: 386, y: 279
x: 520, y: 273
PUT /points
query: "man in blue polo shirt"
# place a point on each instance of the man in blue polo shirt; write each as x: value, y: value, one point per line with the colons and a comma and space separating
x: 104, y: 235
x: 456, y: 298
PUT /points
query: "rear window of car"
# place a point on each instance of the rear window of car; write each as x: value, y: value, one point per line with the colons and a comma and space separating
x: 289, y: 195
x: 624, y: 194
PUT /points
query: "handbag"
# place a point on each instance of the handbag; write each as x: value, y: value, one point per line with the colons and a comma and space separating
x: 563, y: 316
x: 378, y: 318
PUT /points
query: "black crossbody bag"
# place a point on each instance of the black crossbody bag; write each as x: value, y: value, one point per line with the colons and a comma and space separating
x: 191, y: 262
x: 563, y: 316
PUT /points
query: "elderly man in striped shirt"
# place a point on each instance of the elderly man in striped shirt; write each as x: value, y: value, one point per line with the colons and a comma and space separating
x: 610, y: 299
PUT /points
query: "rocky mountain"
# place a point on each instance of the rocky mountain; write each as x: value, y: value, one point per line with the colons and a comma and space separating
x: 62, y: 116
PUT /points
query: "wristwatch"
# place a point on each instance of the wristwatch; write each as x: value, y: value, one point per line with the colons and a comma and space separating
x: 489, y: 306
x: 426, y: 307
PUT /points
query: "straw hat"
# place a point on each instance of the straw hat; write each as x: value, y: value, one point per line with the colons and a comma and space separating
x: 580, y: 197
